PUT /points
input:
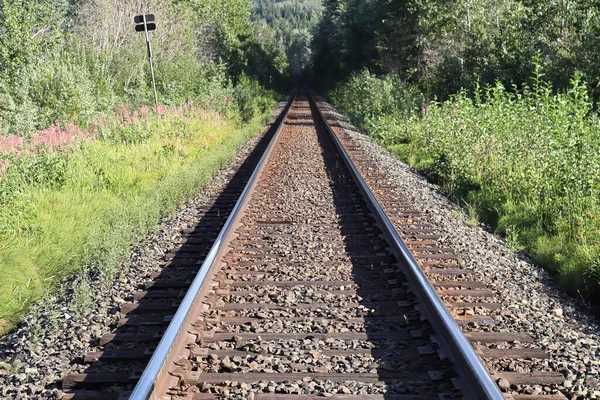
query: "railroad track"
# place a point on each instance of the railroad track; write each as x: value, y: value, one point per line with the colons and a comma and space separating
x: 304, y: 279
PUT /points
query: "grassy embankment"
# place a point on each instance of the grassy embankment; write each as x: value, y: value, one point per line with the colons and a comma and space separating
x: 525, y: 162
x: 73, y: 201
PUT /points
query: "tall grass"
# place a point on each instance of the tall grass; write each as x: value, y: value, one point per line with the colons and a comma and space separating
x: 74, y: 200
x: 527, y: 160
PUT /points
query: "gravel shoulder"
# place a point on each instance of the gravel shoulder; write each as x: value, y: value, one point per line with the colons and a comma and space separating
x: 566, y: 329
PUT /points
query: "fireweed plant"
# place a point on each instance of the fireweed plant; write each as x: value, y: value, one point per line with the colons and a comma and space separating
x: 73, y: 200
x: 527, y: 160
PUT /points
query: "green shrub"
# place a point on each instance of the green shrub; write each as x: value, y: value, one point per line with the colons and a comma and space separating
x: 53, y: 87
x: 61, y: 88
x: 78, y: 209
x: 377, y: 104
x: 251, y: 98
x: 528, y: 160
x: 18, y: 113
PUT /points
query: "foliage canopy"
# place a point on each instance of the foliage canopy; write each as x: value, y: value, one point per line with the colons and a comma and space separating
x: 72, y: 60
x: 446, y: 45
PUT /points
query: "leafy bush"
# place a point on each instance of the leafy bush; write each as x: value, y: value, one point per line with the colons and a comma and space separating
x: 18, y: 112
x: 61, y: 88
x: 528, y: 161
x: 377, y: 104
x: 251, y: 98
x: 77, y: 205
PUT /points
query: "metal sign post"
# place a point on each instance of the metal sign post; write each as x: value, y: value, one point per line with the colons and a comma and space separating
x: 145, y: 23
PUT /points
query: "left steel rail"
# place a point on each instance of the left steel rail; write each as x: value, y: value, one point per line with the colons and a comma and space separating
x: 167, y: 349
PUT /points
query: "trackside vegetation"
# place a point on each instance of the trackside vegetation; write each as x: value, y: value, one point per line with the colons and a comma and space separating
x: 72, y: 202
x: 86, y: 167
x: 525, y: 162
x: 496, y: 100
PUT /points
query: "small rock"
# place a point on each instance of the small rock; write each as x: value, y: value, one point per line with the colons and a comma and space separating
x: 503, y: 384
x: 558, y: 312
x: 345, y: 390
x: 227, y: 365
x: 238, y: 340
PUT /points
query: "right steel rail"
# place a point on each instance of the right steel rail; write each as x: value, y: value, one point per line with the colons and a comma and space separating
x: 476, y: 382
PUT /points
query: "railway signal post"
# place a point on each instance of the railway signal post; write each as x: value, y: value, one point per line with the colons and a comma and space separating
x: 146, y: 23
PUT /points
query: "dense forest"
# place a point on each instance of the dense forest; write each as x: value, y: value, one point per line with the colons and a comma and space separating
x: 493, y: 99
x: 292, y: 23
x: 449, y: 45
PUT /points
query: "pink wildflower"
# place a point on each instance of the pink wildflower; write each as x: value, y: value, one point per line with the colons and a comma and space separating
x: 123, y: 111
x: 56, y: 138
x: 103, y: 123
x: 162, y: 110
x: 144, y: 111
x: 12, y: 144
x: 49, y: 139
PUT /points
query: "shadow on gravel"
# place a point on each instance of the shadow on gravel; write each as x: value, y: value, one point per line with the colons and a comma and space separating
x: 295, y: 120
x: 146, y: 315
x: 402, y: 352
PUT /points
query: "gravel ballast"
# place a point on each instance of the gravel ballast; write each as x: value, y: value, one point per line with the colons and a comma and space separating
x: 568, y: 331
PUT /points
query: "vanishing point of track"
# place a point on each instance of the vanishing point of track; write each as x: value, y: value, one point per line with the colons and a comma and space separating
x: 306, y: 278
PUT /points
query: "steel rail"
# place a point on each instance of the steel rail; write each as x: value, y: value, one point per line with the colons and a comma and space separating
x: 476, y: 382
x: 146, y: 384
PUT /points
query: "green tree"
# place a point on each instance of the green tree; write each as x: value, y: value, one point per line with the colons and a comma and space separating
x: 27, y: 29
x: 346, y: 39
x: 292, y: 23
x: 446, y: 45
